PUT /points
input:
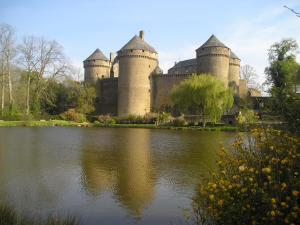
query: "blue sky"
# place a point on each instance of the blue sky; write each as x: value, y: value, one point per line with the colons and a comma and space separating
x: 174, y: 28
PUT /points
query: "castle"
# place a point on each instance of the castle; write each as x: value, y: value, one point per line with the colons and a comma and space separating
x: 133, y: 84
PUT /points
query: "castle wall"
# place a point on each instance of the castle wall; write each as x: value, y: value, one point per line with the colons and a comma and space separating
x: 243, y: 90
x: 96, y: 69
x: 135, y: 67
x: 161, y: 86
x: 214, y: 61
x: 108, y: 94
x: 234, y: 74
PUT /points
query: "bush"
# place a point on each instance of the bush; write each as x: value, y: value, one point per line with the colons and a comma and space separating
x: 72, y: 115
x: 256, y: 183
x: 137, y: 119
x: 178, y: 122
x: 247, y: 116
x: 106, y: 120
x: 163, y: 118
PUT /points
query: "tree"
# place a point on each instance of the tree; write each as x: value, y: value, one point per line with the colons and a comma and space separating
x: 40, y: 58
x: 7, y: 50
x: 204, y: 95
x: 293, y: 11
x: 283, y: 75
x: 249, y: 74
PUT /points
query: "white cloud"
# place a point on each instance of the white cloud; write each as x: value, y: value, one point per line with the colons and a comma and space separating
x: 249, y: 38
x: 252, y: 39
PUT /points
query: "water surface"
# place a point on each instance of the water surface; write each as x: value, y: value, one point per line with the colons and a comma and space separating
x: 102, y: 175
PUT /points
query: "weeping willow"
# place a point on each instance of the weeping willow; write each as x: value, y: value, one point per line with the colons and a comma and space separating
x: 204, y: 95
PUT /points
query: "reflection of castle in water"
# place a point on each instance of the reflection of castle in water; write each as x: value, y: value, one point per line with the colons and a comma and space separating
x: 127, y: 172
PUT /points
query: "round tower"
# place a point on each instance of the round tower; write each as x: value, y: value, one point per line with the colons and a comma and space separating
x: 96, y: 66
x: 213, y: 58
x: 234, y: 72
x: 137, y: 60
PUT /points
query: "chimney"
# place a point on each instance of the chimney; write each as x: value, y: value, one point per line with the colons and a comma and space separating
x: 111, y: 57
x: 142, y: 34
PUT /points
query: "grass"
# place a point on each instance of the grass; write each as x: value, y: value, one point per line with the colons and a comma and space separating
x: 41, y: 123
x: 153, y: 126
x: 9, y: 217
x: 63, y: 123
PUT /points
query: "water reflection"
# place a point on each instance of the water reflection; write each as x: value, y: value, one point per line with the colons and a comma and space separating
x: 104, y: 175
x: 128, y: 172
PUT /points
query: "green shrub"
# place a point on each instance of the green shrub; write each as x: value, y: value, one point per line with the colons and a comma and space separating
x: 72, y: 115
x: 246, y: 116
x: 163, y: 118
x: 178, y: 122
x: 106, y: 120
x: 257, y: 182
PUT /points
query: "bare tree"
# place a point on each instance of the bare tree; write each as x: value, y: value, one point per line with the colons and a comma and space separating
x: 292, y: 10
x: 8, y: 53
x: 28, y: 58
x: 41, y: 59
x: 249, y: 74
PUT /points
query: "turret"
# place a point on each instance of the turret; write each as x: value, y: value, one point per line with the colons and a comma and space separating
x: 137, y: 61
x: 234, y: 72
x: 213, y: 58
x: 96, y: 66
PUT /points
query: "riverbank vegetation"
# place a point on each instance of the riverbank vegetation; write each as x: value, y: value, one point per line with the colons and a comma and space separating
x: 10, y: 217
x: 256, y: 182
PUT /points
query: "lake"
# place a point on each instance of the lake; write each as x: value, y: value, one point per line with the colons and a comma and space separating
x: 105, y: 175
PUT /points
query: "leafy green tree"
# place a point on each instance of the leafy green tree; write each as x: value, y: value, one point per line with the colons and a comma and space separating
x: 283, y: 76
x: 203, y: 94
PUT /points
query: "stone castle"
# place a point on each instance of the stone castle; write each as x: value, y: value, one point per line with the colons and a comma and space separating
x: 133, y: 84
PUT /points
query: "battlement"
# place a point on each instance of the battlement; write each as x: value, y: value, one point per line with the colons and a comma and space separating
x: 171, y: 75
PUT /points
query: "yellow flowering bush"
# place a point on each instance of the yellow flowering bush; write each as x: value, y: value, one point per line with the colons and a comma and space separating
x: 256, y: 182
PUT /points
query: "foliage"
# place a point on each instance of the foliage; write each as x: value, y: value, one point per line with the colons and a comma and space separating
x: 137, y: 119
x: 72, y: 115
x: 203, y: 94
x: 247, y: 116
x: 9, y: 217
x: 163, y: 118
x: 179, y: 121
x: 106, y: 120
x: 255, y: 183
x: 283, y: 75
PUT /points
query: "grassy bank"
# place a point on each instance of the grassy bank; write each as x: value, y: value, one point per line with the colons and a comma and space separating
x: 153, y: 126
x: 63, y: 123
x: 41, y: 123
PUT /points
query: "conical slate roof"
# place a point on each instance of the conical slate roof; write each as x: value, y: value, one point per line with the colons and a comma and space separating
x: 136, y: 43
x: 97, y: 55
x: 233, y: 56
x: 213, y: 41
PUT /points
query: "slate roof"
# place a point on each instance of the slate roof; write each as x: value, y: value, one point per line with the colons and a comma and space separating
x: 233, y: 56
x: 213, y: 41
x: 136, y: 43
x: 97, y: 55
x: 188, y: 62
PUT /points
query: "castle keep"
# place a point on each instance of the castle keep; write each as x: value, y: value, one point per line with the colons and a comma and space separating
x: 133, y: 83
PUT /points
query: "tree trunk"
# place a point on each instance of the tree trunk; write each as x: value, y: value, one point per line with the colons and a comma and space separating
x: 28, y: 95
x: 203, y: 119
x: 2, y: 91
x: 11, y: 101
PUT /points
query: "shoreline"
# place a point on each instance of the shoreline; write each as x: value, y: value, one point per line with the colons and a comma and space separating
x: 63, y: 123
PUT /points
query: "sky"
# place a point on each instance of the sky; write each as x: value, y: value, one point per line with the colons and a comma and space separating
x: 175, y: 28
